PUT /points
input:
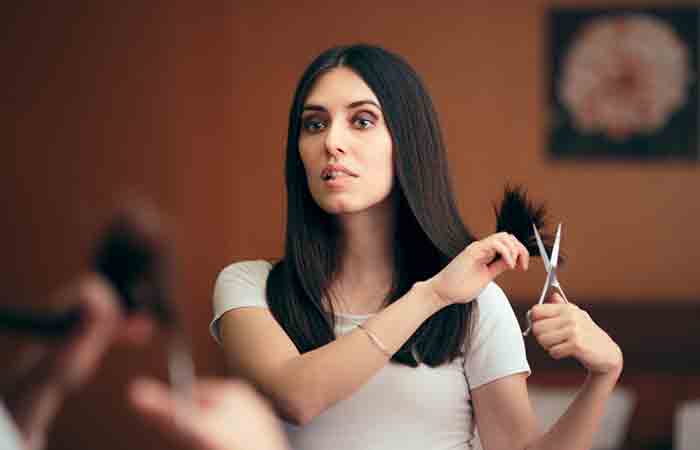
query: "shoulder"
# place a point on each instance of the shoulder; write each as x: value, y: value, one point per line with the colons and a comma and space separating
x: 494, y: 316
x: 496, y: 347
x: 251, y: 272
x: 239, y: 285
x: 492, y: 301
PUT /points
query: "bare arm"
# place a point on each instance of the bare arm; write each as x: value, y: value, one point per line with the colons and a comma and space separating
x: 302, y: 386
x: 503, y: 413
x: 506, y: 421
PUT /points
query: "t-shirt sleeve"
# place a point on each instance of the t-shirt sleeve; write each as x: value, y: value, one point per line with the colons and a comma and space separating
x: 239, y: 285
x: 497, y: 348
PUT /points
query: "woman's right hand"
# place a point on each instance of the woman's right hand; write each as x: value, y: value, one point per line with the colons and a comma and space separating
x: 477, y: 265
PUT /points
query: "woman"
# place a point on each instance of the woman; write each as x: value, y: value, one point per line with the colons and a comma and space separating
x: 381, y: 327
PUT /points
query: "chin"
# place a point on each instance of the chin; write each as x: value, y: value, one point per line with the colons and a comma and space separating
x: 351, y: 204
x: 339, y: 208
x: 343, y: 207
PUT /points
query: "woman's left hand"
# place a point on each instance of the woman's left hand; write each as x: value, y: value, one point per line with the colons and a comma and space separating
x: 563, y: 330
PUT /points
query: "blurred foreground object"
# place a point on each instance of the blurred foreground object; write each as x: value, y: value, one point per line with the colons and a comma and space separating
x: 134, y: 255
x: 687, y: 426
x: 223, y: 415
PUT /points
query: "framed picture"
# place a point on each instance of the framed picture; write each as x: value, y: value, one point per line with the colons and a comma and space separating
x: 623, y: 83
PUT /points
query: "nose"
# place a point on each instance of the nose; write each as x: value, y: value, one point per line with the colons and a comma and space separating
x: 336, y: 139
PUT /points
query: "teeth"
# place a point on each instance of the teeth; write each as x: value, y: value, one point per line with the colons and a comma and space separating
x: 333, y: 174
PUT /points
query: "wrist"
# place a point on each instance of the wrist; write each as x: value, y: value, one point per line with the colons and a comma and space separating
x: 613, y: 370
x: 605, y: 381
x: 428, y: 297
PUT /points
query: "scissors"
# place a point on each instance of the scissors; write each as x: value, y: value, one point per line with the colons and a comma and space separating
x: 181, y: 370
x: 550, y: 265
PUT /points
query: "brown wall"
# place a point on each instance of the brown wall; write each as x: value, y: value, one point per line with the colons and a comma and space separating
x: 190, y: 106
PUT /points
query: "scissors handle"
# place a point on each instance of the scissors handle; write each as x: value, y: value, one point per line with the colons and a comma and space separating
x: 554, y: 284
x: 529, y: 324
x: 557, y: 286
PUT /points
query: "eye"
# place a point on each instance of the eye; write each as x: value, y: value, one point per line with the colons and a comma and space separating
x: 364, y: 121
x: 312, y: 124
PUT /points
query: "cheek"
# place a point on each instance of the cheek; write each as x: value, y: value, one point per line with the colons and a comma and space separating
x: 384, y: 162
x: 380, y: 178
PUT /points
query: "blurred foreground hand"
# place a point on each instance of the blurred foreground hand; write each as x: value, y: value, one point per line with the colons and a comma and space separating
x: 42, y: 372
x: 223, y: 415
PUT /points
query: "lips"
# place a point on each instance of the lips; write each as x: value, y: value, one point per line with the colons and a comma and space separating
x: 333, y: 171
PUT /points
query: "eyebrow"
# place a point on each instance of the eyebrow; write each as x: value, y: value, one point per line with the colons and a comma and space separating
x: 312, y: 107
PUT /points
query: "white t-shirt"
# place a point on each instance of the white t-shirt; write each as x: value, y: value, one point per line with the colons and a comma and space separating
x: 9, y: 434
x: 400, y: 407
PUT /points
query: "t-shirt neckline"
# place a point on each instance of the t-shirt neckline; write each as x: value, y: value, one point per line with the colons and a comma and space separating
x: 354, y: 316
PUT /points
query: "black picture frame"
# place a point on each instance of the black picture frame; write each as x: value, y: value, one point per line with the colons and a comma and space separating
x: 676, y: 140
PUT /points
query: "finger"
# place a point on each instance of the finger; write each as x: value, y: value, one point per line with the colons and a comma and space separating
x: 547, y: 310
x: 544, y: 326
x: 101, y: 307
x: 553, y: 338
x: 79, y: 356
x: 512, y: 244
x: 523, y: 254
x: 502, y: 249
x: 507, y: 239
x: 520, y: 253
x: 563, y: 350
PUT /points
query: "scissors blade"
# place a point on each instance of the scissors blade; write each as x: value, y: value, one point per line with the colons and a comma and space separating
x: 555, y: 251
x: 547, y: 285
x: 543, y: 252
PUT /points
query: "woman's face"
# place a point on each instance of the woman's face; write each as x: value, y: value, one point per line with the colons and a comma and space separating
x: 345, y: 145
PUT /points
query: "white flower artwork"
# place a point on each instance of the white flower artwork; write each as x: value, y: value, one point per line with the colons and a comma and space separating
x: 623, y: 77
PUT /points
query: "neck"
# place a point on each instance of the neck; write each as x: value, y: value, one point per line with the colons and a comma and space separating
x: 366, y: 270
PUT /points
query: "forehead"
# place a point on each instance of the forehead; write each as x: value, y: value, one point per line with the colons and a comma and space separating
x: 339, y: 86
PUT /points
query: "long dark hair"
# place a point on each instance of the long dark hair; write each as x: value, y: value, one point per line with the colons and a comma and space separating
x: 429, y: 230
